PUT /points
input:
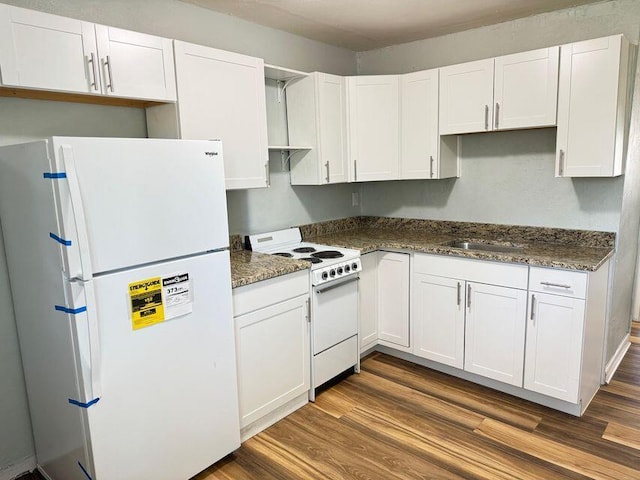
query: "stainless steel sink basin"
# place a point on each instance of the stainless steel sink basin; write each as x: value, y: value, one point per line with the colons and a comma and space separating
x: 488, y: 247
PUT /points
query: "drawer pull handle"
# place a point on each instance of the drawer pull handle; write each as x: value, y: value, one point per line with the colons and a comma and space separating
x: 559, y: 285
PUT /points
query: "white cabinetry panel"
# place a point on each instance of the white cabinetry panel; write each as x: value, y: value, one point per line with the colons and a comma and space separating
x: 393, y: 298
x: 368, y: 294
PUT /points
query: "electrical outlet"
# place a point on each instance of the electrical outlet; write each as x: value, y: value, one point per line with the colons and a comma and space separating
x: 355, y: 200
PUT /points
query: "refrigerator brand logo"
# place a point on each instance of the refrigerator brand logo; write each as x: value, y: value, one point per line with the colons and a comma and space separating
x: 144, y: 285
x: 211, y: 154
x: 173, y: 280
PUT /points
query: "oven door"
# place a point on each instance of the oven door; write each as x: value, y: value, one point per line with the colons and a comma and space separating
x: 334, y: 312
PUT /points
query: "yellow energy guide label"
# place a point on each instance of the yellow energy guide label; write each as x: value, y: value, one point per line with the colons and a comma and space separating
x: 157, y: 299
x: 145, y: 298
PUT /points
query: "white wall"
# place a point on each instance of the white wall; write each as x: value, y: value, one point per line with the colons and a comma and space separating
x: 23, y: 120
x: 508, y: 177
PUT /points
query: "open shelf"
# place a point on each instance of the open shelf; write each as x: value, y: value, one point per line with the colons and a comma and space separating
x: 283, y: 74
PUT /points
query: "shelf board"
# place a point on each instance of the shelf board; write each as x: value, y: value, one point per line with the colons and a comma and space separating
x: 288, y: 147
x: 280, y: 73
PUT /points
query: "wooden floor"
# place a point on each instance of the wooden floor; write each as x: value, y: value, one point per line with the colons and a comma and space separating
x: 397, y: 420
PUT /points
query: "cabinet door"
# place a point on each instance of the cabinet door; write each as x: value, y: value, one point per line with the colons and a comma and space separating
x: 272, y: 347
x: 374, y: 127
x: 368, y: 298
x: 591, y: 108
x: 135, y: 64
x: 47, y: 52
x: 393, y: 298
x: 419, y: 125
x: 437, y: 311
x: 526, y: 89
x: 554, y: 346
x: 332, y: 125
x: 494, y: 337
x: 221, y: 95
x: 466, y: 97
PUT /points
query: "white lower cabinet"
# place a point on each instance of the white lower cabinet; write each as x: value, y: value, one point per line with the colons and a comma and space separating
x: 272, y: 349
x: 367, y: 294
x: 554, y: 345
x: 494, y: 334
x: 393, y: 299
x: 438, y: 319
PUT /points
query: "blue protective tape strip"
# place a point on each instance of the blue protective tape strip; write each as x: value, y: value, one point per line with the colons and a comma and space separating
x: 54, y: 176
x: 84, y: 405
x: 84, y: 470
x: 66, y: 243
x: 73, y: 311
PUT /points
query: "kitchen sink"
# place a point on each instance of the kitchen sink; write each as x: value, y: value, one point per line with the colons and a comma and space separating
x: 485, y: 246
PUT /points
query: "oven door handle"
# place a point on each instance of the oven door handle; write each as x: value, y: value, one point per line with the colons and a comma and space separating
x: 336, y: 285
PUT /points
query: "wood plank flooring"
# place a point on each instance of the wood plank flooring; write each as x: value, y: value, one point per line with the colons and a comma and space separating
x: 398, y: 420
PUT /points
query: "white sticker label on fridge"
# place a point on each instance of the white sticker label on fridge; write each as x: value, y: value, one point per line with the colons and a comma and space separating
x: 177, y: 295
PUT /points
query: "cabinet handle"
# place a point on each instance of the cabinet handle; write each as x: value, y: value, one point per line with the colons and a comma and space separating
x: 430, y: 166
x: 308, y: 311
x: 468, y: 296
x: 533, y: 307
x: 559, y: 285
x: 266, y: 174
x: 327, y: 166
x: 355, y: 170
x: 496, y: 114
x: 561, y: 164
x: 486, y: 117
x: 108, y: 65
x: 92, y: 61
x: 459, y: 291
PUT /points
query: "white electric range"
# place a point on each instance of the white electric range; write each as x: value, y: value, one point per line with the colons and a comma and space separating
x: 334, y: 304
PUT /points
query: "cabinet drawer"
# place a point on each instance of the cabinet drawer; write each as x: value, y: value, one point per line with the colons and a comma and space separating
x: 480, y: 271
x: 560, y: 282
x: 269, y: 292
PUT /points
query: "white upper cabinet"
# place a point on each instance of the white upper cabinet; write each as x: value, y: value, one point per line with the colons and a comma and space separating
x: 514, y: 91
x: 221, y: 95
x: 317, y: 117
x: 423, y: 153
x: 135, y: 64
x: 591, y: 108
x: 466, y: 97
x: 374, y: 127
x: 48, y: 52
x: 526, y: 89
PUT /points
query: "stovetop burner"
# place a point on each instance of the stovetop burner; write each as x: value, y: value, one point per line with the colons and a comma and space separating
x: 327, y: 254
x: 312, y: 259
x: 304, y: 250
x: 283, y: 254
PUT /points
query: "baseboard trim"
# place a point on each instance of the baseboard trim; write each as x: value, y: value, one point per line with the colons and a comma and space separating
x: 15, y: 470
x: 615, y: 361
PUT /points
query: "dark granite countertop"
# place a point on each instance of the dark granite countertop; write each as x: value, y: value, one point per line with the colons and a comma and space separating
x: 545, y: 247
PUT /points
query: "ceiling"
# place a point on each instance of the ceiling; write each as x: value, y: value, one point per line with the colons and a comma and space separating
x: 368, y: 24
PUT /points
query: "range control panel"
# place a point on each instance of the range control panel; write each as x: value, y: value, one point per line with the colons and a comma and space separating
x: 336, y: 271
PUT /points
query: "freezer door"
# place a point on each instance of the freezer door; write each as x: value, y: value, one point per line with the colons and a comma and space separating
x: 168, y: 406
x: 129, y: 202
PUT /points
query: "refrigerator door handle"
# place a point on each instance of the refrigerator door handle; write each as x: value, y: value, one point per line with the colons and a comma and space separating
x: 94, y: 339
x: 78, y: 213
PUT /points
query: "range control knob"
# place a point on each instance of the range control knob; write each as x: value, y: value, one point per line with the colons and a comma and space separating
x: 332, y: 272
x: 354, y: 266
x: 325, y: 275
x: 339, y: 270
x: 347, y: 269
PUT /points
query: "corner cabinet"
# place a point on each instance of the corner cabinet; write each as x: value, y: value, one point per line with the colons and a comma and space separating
x: 503, y: 93
x: 367, y: 298
x: 272, y: 349
x: 221, y: 95
x: 40, y: 51
x: 393, y: 299
x: 317, y: 117
x: 424, y: 154
x: 373, y: 106
x: 592, y: 108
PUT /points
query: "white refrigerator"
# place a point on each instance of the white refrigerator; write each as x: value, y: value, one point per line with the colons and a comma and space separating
x: 119, y: 265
